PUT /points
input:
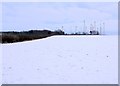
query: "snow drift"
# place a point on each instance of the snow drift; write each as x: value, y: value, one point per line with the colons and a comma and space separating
x: 62, y: 60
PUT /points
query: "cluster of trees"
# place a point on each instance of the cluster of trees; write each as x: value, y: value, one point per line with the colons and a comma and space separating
x: 10, y: 37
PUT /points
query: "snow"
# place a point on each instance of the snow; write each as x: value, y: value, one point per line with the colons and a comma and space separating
x: 62, y: 60
x: 0, y: 64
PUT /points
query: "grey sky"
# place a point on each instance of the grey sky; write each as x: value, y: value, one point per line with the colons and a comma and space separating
x: 48, y: 15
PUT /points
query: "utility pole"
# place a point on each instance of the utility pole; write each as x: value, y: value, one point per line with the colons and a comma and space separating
x: 100, y: 29
x: 95, y: 25
x: 62, y: 28
x: 84, y: 27
x: 76, y: 29
x: 103, y: 28
x: 91, y: 27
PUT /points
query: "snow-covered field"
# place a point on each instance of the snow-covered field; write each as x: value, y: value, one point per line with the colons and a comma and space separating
x: 62, y: 60
x: 0, y: 64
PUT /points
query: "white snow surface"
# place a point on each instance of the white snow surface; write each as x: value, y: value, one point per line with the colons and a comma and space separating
x: 0, y: 64
x: 62, y: 60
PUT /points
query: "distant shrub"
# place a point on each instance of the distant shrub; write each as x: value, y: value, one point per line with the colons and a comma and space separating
x: 59, y: 32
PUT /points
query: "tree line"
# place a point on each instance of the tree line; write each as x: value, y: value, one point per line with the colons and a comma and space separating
x: 12, y: 36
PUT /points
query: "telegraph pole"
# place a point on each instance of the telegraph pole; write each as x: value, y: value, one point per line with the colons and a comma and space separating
x: 100, y: 29
x: 95, y: 25
x: 103, y: 28
x: 84, y: 27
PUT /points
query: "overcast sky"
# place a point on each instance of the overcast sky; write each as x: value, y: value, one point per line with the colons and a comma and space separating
x: 48, y: 15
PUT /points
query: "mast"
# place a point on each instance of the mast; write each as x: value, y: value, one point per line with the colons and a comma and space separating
x: 91, y: 27
x: 100, y: 29
x: 84, y: 27
x: 95, y: 25
x: 62, y: 27
x: 76, y: 29
x: 103, y: 28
